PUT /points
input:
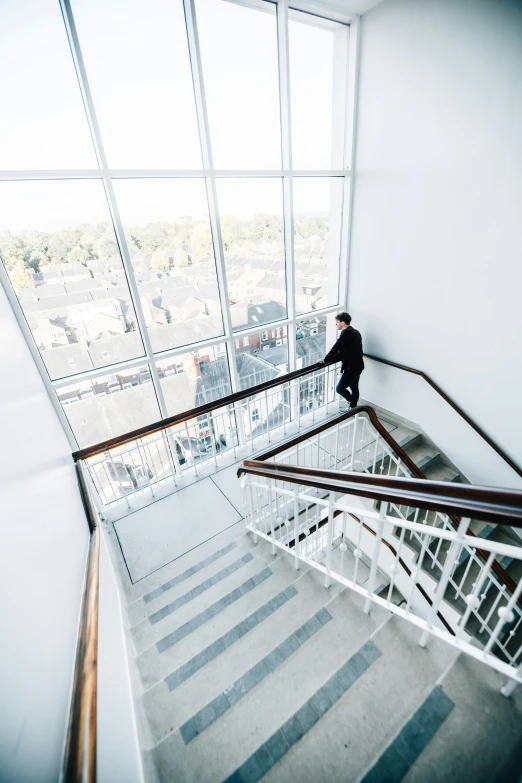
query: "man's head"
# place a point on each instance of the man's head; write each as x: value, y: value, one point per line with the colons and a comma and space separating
x: 342, y: 320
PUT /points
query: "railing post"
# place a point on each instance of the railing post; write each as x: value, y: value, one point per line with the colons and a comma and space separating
x: 252, y: 515
x: 375, y: 559
x: 331, y: 506
x: 296, y: 531
x: 446, y: 574
x: 508, y: 688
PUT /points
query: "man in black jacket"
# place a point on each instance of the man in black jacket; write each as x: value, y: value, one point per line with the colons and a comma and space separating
x: 348, y: 349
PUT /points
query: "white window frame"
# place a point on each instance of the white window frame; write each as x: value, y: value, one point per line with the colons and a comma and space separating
x: 348, y: 63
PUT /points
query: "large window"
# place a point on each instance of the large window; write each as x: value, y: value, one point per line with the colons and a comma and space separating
x: 168, y: 235
x: 172, y: 182
x: 253, y: 248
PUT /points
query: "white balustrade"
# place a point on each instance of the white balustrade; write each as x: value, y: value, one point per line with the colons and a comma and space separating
x: 436, y: 565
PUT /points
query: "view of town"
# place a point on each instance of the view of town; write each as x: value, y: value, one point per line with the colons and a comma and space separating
x: 74, y: 293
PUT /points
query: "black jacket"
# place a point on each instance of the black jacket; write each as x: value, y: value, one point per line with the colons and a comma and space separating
x: 347, y: 349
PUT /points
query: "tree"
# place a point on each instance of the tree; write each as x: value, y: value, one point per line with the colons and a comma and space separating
x: 105, y: 246
x: 14, y: 252
x: 78, y: 255
x: 35, y: 260
x: 200, y: 240
x: 180, y: 258
x: 267, y: 227
x: 20, y: 277
x: 160, y: 260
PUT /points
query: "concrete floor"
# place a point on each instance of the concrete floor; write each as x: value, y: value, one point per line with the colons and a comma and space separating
x: 164, y: 530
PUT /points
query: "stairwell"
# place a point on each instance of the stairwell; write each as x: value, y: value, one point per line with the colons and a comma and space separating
x: 248, y: 669
x: 245, y: 668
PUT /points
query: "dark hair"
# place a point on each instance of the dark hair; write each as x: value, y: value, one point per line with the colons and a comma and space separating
x: 346, y: 318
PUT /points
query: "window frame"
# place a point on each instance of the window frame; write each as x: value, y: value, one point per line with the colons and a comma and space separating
x: 348, y: 64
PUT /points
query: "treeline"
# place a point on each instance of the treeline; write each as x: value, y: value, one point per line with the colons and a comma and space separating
x: 187, y: 241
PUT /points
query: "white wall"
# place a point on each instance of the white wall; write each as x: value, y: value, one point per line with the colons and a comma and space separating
x: 436, y: 263
x: 43, y: 548
x: 118, y: 757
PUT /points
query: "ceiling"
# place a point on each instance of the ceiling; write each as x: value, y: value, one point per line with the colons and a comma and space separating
x: 341, y: 10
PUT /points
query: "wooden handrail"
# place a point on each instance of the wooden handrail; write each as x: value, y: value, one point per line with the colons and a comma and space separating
x: 503, y: 506
x: 406, y: 459
x: 512, y: 464
x: 128, y: 437
x: 79, y: 764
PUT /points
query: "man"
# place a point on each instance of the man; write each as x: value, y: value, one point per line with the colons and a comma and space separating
x: 348, y: 349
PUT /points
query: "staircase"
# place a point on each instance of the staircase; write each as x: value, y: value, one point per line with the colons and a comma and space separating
x: 247, y: 669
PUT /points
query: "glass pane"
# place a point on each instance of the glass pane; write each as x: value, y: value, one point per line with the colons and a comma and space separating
x: 317, y: 241
x: 262, y: 356
x: 60, y: 251
x: 42, y: 122
x: 251, y: 212
x: 195, y: 378
x: 240, y: 68
x: 168, y: 233
x: 110, y: 405
x: 137, y: 62
x: 310, y: 345
x: 317, y: 90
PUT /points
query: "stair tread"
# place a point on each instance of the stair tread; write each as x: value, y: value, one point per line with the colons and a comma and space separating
x: 421, y: 453
x: 495, y: 728
x: 240, y: 731
x: 154, y: 666
x: 168, y: 709
x: 135, y: 592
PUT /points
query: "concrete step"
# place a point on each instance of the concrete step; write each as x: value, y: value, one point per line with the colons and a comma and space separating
x: 348, y: 740
x: 481, y: 739
x: 206, y: 592
x: 159, y: 660
x: 441, y: 472
x: 241, y: 730
x: 174, y: 701
x: 425, y: 457
x: 186, y: 580
x: 135, y: 591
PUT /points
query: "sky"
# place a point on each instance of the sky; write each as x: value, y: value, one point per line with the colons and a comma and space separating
x: 137, y: 62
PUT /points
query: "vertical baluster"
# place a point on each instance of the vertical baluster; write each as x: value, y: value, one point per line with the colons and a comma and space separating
x: 330, y: 524
x: 115, y: 471
x: 508, y: 688
x: 342, y: 545
x: 473, y: 600
x: 505, y: 614
x: 376, y: 549
x: 252, y: 514
x: 296, y: 530
x: 443, y: 582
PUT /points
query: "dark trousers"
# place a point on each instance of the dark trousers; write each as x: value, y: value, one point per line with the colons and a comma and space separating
x: 349, y: 381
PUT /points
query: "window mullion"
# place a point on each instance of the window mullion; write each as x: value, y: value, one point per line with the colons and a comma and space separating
x: 206, y: 153
x: 81, y: 74
x: 353, y: 66
x: 286, y: 150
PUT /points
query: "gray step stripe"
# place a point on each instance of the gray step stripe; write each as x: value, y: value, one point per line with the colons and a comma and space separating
x: 227, y: 640
x: 212, y: 611
x: 275, y: 748
x: 231, y: 695
x: 187, y: 574
x: 199, y: 589
x: 397, y: 759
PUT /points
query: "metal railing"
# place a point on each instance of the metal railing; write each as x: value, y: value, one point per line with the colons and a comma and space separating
x: 140, y: 464
x: 316, y: 498
x: 79, y: 763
